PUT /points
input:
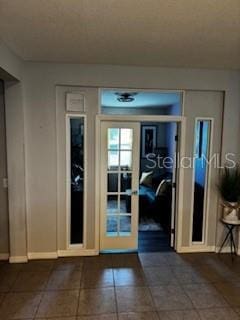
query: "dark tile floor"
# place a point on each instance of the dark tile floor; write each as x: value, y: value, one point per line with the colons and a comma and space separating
x: 153, y: 241
x: 152, y: 286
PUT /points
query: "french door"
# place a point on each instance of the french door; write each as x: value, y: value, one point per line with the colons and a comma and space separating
x: 120, y: 143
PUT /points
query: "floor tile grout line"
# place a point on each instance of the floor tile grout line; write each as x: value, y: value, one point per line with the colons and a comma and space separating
x: 79, y: 292
x: 198, y: 313
x: 225, y: 299
x: 49, y: 290
x: 180, y: 286
x: 155, y: 307
x: 186, y: 294
x: 44, y: 289
x: 78, y: 302
x: 189, y: 297
x: 5, y: 295
x: 14, y: 282
x: 216, y: 307
x: 115, y: 295
x: 41, y: 298
x: 49, y: 275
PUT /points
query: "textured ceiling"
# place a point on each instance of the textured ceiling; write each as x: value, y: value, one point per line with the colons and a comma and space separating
x: 181, y: 33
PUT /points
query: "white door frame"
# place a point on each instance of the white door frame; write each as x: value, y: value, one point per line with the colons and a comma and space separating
x: 181, y: 120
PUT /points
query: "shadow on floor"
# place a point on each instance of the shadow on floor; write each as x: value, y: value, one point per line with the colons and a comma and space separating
x: 153, y: 241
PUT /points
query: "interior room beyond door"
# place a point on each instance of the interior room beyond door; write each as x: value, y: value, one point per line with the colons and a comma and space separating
x: 157, y: 186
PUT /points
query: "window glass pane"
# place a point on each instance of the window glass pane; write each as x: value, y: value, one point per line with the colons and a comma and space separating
x: 112, y: 182
x: 126, y: 181
x: 126, y: 160
x: 125, y: 203
x: 202, y: 137
x: 112, y: 226
x: 113, y: 138
x: 143, y: 103
x: 113, y: 160
x: 125, y: 226
x: 77, y: 179
x: 112, y: 204
x: 126, y: 139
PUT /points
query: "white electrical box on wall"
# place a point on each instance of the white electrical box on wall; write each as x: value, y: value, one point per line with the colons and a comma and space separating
x: 75, y: 101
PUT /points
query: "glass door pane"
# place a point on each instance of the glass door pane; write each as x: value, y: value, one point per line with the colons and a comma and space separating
x: 119, y: 182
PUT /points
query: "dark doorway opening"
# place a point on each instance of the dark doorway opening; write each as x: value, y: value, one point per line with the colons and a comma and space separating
x: 157, y: 176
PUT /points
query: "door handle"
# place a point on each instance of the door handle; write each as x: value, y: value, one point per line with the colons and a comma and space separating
x: 134, y: 192
x: 129, y: 192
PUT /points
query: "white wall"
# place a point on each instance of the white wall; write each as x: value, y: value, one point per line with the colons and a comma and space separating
x: 40, y: 82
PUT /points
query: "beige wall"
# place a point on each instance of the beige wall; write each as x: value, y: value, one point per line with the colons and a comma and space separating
x: 4, y: 238
x: 11, y: 68
x: 16, y: 171
x: 40, y: 119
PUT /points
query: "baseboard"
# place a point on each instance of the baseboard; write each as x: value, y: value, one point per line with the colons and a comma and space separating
x: 196, y: 248
x: 4, y: 256
x: 18, y: 259
x: 52, y: 255
x: 77, y: 253
x: 42, y: 255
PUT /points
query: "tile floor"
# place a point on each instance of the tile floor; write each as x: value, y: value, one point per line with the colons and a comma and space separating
x: 152, y: 286
x: 152, y: 241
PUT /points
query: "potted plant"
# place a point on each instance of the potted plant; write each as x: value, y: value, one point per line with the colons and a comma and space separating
x: 229, y: 188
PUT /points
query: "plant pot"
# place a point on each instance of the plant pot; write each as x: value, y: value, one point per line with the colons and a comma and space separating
x: 231, y: 211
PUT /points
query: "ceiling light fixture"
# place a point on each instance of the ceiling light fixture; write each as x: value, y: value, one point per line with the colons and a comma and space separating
x: 126, y: 96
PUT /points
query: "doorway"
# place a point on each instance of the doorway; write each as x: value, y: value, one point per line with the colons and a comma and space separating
x: 138, y: 185
x: 157, y: 186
